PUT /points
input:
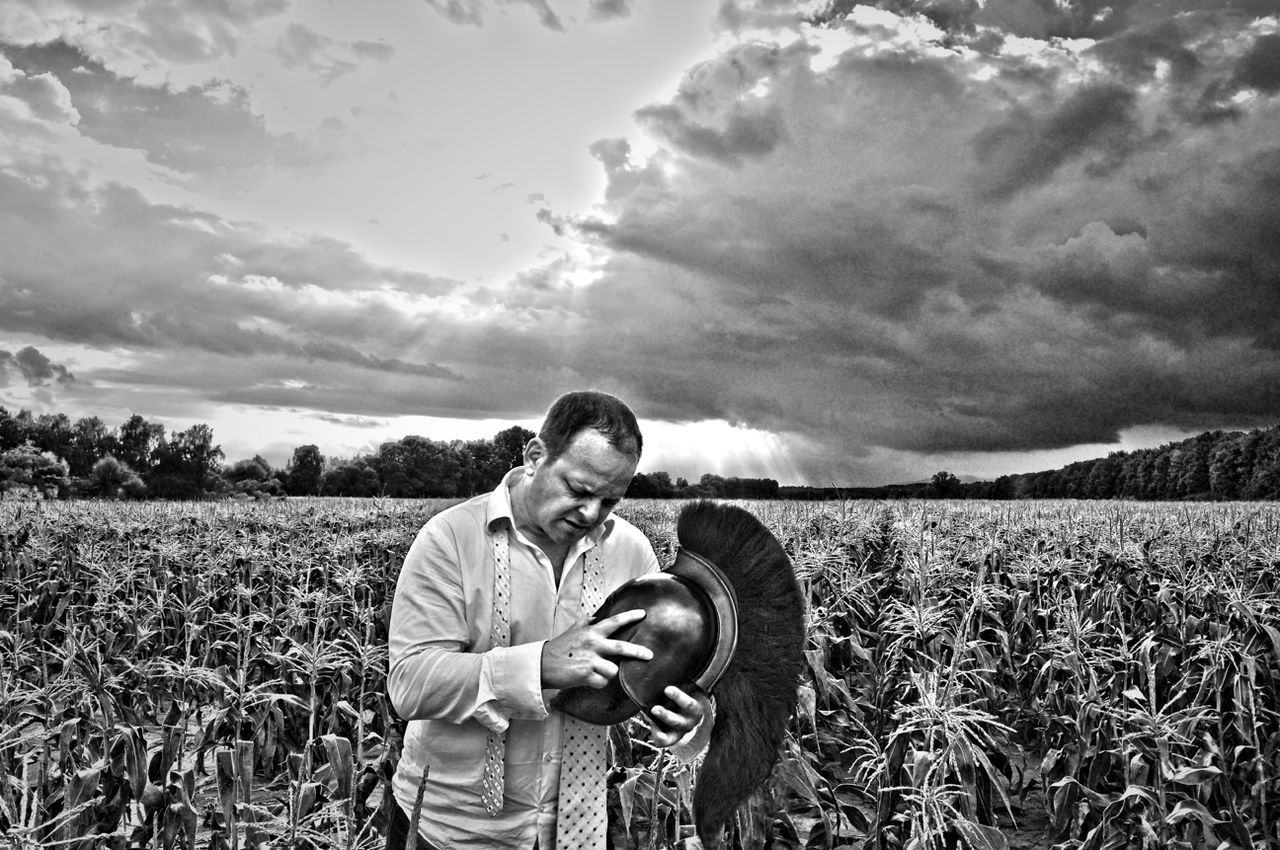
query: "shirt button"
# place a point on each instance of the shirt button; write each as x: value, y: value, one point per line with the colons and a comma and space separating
x: 546, y: 759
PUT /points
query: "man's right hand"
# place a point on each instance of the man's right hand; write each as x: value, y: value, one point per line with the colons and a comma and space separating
x: 583, y: 655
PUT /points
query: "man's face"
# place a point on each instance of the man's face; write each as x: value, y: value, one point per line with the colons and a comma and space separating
x: 568, y: 497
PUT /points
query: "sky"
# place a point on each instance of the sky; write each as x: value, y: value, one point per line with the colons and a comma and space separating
x: 828, y: 243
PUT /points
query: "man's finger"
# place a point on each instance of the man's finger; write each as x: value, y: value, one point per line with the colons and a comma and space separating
x: 672, y: 721
x: 606, y: 668
x: 626, y: 649
x: 609, y: 625
x: 686, y: 703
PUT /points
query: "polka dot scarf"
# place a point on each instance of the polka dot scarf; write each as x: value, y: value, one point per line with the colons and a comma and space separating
x: 582, y: 817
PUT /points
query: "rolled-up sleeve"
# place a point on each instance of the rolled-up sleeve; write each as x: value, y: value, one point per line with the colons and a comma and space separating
x: 440, y: 664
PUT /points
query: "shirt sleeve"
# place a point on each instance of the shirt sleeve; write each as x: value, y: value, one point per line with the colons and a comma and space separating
x: 433, y: 672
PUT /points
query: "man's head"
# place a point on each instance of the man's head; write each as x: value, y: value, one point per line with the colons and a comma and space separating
x: 574, y: 412
x: 578, y: 467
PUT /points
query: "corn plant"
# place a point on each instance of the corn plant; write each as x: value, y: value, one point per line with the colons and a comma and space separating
x: 1104, y: 674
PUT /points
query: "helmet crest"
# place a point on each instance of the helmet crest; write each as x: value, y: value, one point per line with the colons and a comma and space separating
x: 727, y: 617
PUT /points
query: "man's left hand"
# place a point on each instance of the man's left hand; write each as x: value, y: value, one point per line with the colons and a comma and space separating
x: 668, y: 726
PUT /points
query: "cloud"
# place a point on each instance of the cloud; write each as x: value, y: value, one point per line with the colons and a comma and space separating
x: 717, y: 113
x: 138, y: 37
x: 218, y: 311
x: 473, y: 12
x: 1260, y: 68
x: 208, y: 129
x: 33, y: 367
x: 352, y: 421
x: 107, y: 268
x: 1023, y: 246
x: 380, y: 50
x: 608, y: 10
x: 302, y: 47
x: 1027, y: 148
x: 476, y: 12
x: 42, y: 95
x: 1037, y: 19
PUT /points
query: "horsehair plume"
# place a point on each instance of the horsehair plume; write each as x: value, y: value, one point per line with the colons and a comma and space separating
x: 758, y: 692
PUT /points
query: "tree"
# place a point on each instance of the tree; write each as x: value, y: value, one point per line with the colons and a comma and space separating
x: 302, y: 477
x: 508, y: 447
x: 661, y: 483
x: 257, y: 469
x: 1192, y: 479
x: 113, y: 479
x: 476, y: 466
x: 91, y: 440
x: 186, y: 464
x: 944, y: 485
x: 1226, y: 471
x: 12, y: 434
x: 138, y: 442
x: 641, y: 487
x: 355, y: 477
x: 52, y: 433
x: 709, y: 486
x: 1101, y: 483
x: 253, y: 477
x: 1264, y: 478
x: 26, y: 468
x: 415, y: 467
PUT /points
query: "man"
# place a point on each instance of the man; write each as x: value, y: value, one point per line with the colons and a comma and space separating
x: 489, y: 621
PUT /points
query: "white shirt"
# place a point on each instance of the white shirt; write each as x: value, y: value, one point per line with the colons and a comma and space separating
x: 453, y: 687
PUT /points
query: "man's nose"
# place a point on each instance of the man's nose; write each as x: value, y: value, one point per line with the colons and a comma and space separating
x: 590, y: 510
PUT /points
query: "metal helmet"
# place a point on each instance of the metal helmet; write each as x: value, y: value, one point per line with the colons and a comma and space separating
x: 690, y: 625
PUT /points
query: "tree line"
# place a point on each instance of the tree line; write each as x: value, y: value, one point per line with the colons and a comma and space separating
x: 50, y: 455
x: 53, y: 456
x: 1214, y: 466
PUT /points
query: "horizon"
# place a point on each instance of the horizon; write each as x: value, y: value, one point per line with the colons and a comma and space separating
x: 690, y: 476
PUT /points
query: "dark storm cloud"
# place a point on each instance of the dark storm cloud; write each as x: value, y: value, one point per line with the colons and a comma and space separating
x: 956, y: 251
x: 1208, y: 84
x: 1096, y: 122
x: 1260, y: 67
x: 1138, y: 54
x: 713, y: 115
x: 202, y: 129
x: 744, y: 133
x: 1038, y: 19
x: 34, y: 368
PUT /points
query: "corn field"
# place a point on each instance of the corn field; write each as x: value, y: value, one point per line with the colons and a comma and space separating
x: 980, y: 675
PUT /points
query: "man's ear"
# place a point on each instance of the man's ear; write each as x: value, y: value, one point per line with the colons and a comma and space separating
x: 534, y: 453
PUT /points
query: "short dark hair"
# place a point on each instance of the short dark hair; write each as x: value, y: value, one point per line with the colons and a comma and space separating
x: 577, y: 411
